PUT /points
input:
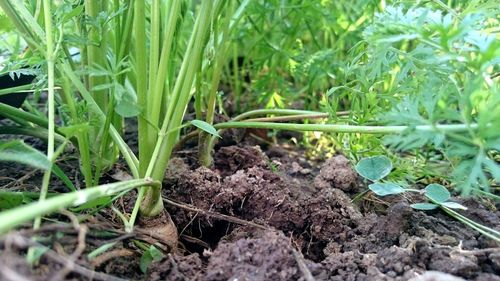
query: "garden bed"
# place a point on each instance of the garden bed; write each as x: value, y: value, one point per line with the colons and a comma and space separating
x: 269, y: 215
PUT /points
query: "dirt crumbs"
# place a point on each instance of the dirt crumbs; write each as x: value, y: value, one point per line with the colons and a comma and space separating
x: 269, y: 257
x: 311, y: 228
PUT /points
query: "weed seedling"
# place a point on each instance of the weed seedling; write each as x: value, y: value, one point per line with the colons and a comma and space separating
x: 376, y: 168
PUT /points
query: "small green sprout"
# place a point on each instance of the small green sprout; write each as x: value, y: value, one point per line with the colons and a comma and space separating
x: 378, y: 167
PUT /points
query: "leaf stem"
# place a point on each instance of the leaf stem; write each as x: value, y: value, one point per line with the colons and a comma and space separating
x: 13, y: 217
x: 49, y: 55
x: 346, y: 128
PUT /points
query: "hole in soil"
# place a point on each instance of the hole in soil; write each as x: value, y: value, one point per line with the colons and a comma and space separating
x: 209, y: 235
x: 314, y: 250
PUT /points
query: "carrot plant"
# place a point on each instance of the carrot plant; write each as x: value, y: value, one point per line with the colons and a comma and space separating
x: 426, y: 76
x: 136, y: 59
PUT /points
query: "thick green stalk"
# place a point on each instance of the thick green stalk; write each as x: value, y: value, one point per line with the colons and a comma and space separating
x: 158, y: 74
x: 14, y: 217
x: 141, y: 87
x: 25, y: 23
x: 150, y: 200
x: 9, y: 111
x: 97, y: 57
x: 154, y: 54
x: 236, y: 79
x: 96, y: 51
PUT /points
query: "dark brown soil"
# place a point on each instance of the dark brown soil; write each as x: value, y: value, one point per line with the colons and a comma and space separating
x: 291, y: 219
x: 308, y: 210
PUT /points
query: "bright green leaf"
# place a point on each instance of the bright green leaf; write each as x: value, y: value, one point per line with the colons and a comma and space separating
x: 73, y: 13
x: 437, y: 192
x: 18, y: 151
x: 152, y: 254
x: 61, y: 175
x: 383, y: 189
x: 424, y: 206
x: 374, y: 168
x: 71, y: 131
x: 10, y: 200
x: 127, y: 107
x: 205, y: 127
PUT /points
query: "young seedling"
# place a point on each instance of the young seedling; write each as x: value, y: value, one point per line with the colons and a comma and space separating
x: 378, y: 167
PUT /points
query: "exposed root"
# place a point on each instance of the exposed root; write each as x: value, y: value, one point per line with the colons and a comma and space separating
x: 159, y: 229
x: 214, y: 214
x: 98, y: 261
x: 302, y: 265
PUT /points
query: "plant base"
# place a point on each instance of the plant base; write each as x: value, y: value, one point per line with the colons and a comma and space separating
x: 160, y: 229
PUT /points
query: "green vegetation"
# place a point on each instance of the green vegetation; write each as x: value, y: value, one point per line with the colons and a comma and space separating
x: 378, y: 167
x: 415, y: 82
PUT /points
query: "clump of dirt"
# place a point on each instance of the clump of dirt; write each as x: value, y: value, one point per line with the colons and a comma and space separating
x: 337, y: 172
x: 230, y: 159
x: 269, y: 257
x: 338, y: 241
x: 255, y: 192
x: 176, y: 267
x: 14, y: 267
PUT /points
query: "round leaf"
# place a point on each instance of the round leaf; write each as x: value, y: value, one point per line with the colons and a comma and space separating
x: 437, y: 193
x: 424, y: 206
x: 383, y: 189
x: 374, y: 168
x: 127, y: 107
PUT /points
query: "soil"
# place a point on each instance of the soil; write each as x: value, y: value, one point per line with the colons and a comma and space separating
x: 270, y: 215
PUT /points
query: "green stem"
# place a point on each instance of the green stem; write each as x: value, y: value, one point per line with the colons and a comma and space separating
x: 16, y: 112
x: 222, y: 48
x: 82, y: 136
x: 104, y: 144
x: 273, y: 111
x: 152, y: 204
x: 36, y: 132
x: 13, y: 217
x: 50, y: 57
x: 289, y: 117
x: 127, y: 153
x: 486, y: 231
x: 15, y: 89
x: 142, y: 80
x: 346, y: 128
x: 96, y: 51
x: 288, y: 113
